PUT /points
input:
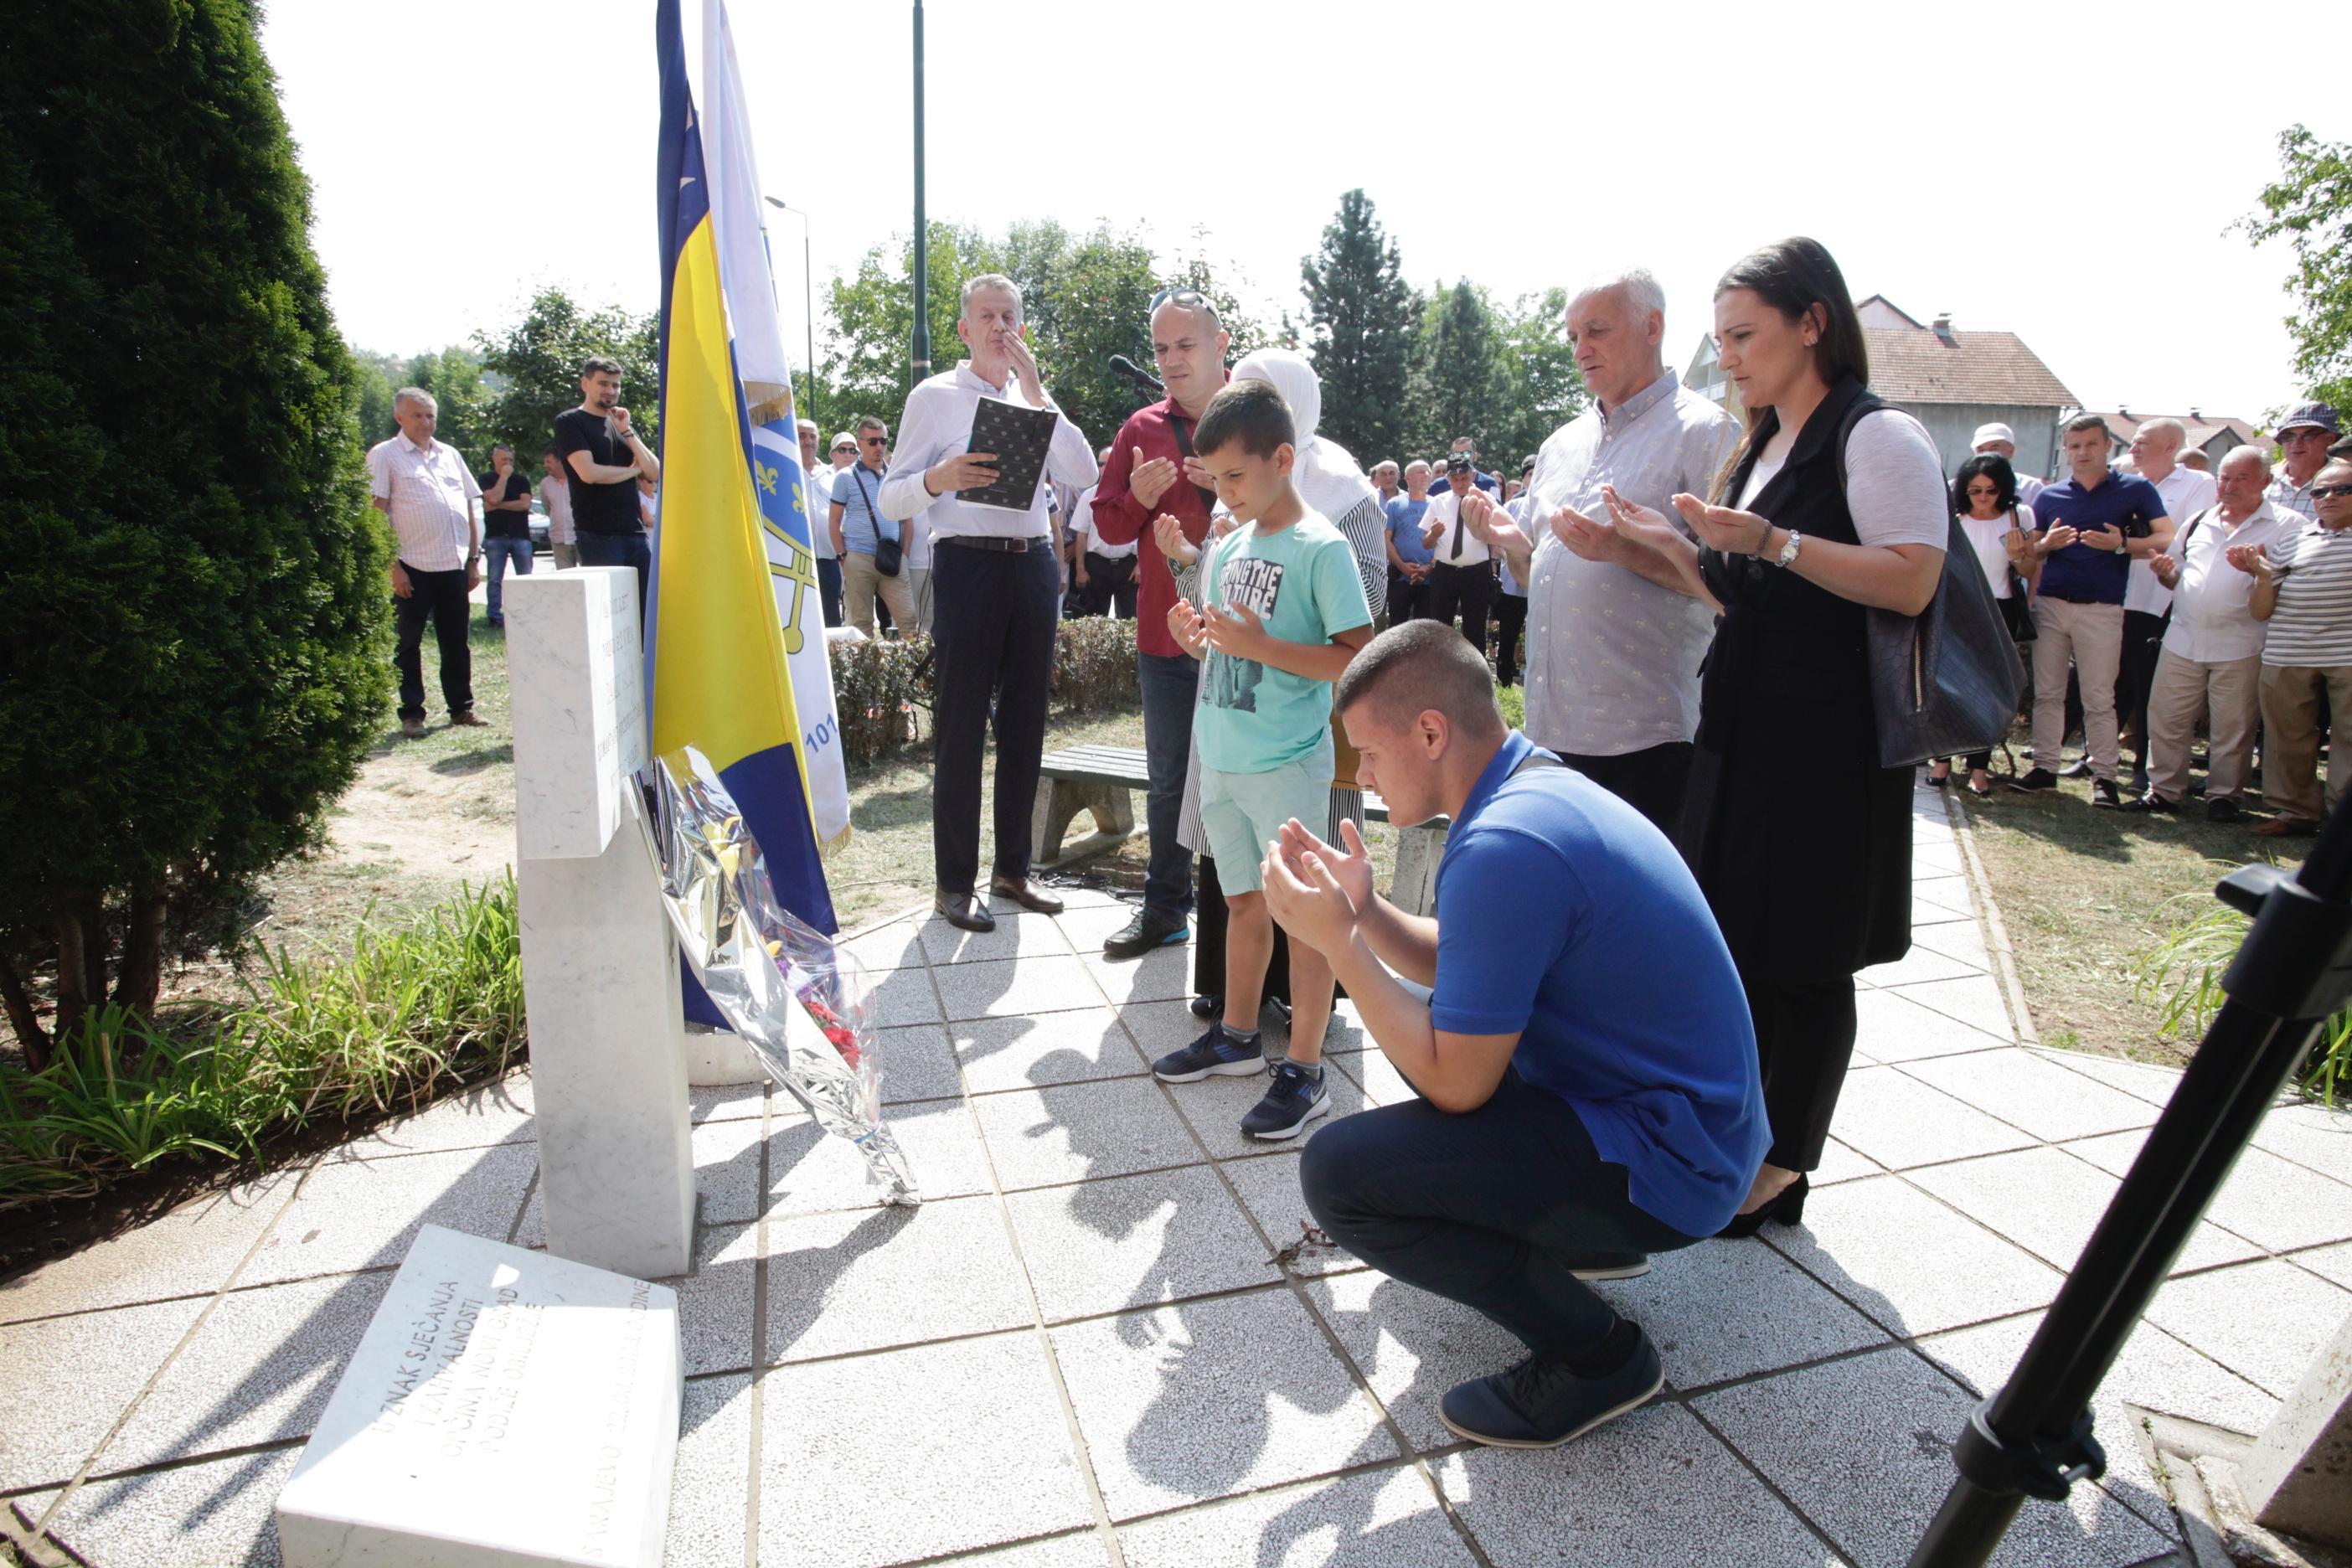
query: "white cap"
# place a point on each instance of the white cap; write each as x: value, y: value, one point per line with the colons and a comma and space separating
x: 1994, y: 432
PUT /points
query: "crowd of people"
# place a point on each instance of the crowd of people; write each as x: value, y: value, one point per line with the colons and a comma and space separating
x: 1630, y: 1019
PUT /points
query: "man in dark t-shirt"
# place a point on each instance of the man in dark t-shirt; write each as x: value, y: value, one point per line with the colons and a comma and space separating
x: 603, y: 457
x: 506, y: 524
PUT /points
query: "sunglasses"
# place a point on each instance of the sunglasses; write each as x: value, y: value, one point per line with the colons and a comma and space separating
x: 871, y: 440
x: 2321, y: 492
x: 1183, y: 299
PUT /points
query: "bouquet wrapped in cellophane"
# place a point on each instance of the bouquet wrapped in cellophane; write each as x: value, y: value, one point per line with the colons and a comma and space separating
x: 762, y: 964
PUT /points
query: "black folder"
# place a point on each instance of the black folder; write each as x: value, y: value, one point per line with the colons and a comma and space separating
x: 1020, y: 436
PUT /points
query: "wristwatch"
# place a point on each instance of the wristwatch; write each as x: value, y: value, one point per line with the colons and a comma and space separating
x: 1788, y: 555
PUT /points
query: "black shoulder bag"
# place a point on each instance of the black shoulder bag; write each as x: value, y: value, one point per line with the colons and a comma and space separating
x: 886, y: 550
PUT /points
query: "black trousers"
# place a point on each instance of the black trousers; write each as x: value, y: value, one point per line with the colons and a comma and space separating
x: 1510, y: 619
x: 1467, y: 592
x: 1208, y: 921
x: 1110, y: 585
x: 440, y: 597
x: 994, y: 624
x: 1652, y: 781
x: 1493, y: 1208
x: 828, y: 589
x: 1804, y: 1041
x: 2136, y: 677
x: 1408, y: 600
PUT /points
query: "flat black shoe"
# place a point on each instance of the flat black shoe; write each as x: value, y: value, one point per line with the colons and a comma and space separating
x: 2037, y: 778
x: 962, y: 909
x: 1932, y: 782
x: 2103, y: 793
x: 2152, y: 801
x: 1148, y: 930
x: 1789, y: 1209
x: 1207, y: 1007
x: 2220, y: 808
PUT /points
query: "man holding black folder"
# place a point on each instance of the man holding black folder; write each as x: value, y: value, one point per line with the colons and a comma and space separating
x: 995, y: 585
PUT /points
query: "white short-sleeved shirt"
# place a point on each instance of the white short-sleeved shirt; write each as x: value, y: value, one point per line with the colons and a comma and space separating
x: 1082, y: 527
x: 429, y: 495
x: 1990, y: 535
x: 2186, y: 493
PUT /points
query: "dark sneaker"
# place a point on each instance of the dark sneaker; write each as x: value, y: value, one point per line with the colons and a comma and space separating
x: 1537, y: 1404
x: 2152, y: 801
x: 2220, y: 808
x: 1207, y: 1007
x: 2039, y: 778
x: 2103, y: 792
x: 1148, y: 930
x: 2080, y: 768
x: 1295, y: 1098
x: 1214, y: 1053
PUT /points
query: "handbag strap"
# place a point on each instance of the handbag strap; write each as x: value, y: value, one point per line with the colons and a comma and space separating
x: 874, y: 511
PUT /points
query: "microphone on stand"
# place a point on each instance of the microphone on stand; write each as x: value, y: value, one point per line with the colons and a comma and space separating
x: 1140, y: 378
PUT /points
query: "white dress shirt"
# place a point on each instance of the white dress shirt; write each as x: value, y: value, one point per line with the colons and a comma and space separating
x: 938, y: 424
x: 1445, y: 506
x: 429, y: 496
x: 1082, y: 528
x: 555, y: 495
x: 2211, y: 621
x: 2186, y: 493
x: 818, y: 488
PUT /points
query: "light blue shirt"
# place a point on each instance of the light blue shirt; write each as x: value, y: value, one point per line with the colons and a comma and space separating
x: 859, y: 523
x: 1301, y: 582
x: 1404, y: 530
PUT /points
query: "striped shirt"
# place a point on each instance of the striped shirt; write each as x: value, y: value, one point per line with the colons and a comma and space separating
x: 430, y: 497
x: 2311, y: 626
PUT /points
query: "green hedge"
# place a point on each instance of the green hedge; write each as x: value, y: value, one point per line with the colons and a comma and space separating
x: 884, y: 690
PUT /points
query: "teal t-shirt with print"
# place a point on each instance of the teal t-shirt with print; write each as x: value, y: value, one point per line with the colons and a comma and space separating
x: 1302, y: 582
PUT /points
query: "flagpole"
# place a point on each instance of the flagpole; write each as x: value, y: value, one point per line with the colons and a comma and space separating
x: 922, y: 346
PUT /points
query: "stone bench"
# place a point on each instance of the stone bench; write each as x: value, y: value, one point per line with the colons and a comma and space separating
x: 1104, y: 780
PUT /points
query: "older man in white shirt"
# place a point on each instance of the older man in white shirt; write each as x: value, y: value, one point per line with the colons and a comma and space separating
x: 2212, y: 660
x: 996, y: 589
x: 2156, y: 453
x: 434, y: 504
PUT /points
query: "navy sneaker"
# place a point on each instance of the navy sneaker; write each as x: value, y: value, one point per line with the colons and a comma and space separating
x: 1295, y: 1098
x: 1217, y: 1053
x: 1540, y: 1404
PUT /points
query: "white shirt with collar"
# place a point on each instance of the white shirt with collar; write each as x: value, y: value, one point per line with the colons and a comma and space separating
x: 938, y: 424
x: 1445, y: 506
x: 428, y: 494
x: 2186, y: 493
x: 817, y: 485
x: 2211, y: 621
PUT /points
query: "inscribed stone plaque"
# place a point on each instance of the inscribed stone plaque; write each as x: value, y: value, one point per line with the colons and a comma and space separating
x: 576, y: 667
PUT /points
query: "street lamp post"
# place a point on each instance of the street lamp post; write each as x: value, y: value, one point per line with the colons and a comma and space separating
x: 808, y: 303
x: 922, y: 345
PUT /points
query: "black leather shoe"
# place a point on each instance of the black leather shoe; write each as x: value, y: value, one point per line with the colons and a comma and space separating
x: 1789, y: 1209
x: 2152, y: 801
x: 2220, y: 808
x: 1026, y: 893
x: 1148, y: 930
x: 963, y: 911
x: 2038, y: 778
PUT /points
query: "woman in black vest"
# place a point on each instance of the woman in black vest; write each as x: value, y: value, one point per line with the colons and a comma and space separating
x: 1832, y: 503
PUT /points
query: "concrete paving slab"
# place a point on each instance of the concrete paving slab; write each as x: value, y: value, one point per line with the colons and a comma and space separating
x: 1411, y: 1346
x: 1198, y: 1401
x: 474, y: 1120
x: 710, y: 1488
x: 915, y: 1445
x: 1961, y: 939
x: 1376, y: 1075
x: 2312, y: 1136
x: 811, y: 1172
x: 714, y: 1302
x: 2329, y: 1263
x: 1382, y: 1518
x: 1650, y: 1488
x: 1872, y: 1478
x: 1920, y: 963
x: 1932, y: 855
x: 1269, y: 1190
x: 726, y: 1170
x: 1783, y: 1317
x: 896, y: 944
x: 1164, y: 974
x: 2142, y: 1080
x: 1215, y: 1107
x: 1926, y: 912
x: 2048, y: 1201
x: 727, y: 1102
x: 1949, y: 891
x: 1080, y: 1549
x: 872, y: 1278
x: 213, y: 1515
x: 1052, y: 1047
x: 1159, y: 1027
x: 193, y: 1250
x: 1024, y: 935
x: 916, y: 1063
x: 2266, y: 1199
x: 2039, y: 1096
x: 363, y: 1214
x: 1865, y: 1240
x: 1901, y: 1122
x: 1133, y: 1241
x: 1894, y: 1027
x: 2265, y: 1321
x: 1086, y: 930
x: 1841, y: 1163
x: 79, y: 1372
x: 259, y: 1371
x: 990, y: 990
x: 905, y: 996
x: 1974, y: 1000
x: 1073, y: 1132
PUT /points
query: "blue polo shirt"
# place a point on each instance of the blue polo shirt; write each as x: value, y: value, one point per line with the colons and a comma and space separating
x: 1405, y: 531
x: 2124, y: 502
x: 1564, y: 916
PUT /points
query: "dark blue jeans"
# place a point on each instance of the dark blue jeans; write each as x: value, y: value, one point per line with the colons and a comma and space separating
x: 1492, y: 1208
x: 500, y: 552
x: 1170, y: 686
x: 621, y: 550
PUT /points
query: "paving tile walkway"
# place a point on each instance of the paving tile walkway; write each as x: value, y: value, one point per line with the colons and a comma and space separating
x: 1083, y: 1349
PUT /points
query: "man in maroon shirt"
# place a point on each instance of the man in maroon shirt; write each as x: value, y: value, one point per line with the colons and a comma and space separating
x: 1152, y: 470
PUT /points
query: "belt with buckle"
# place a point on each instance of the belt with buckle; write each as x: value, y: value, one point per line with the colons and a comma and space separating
x: 990, y: 541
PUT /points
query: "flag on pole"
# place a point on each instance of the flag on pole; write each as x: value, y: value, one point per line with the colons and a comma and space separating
x: 716, y: 672
x: 790, y: 516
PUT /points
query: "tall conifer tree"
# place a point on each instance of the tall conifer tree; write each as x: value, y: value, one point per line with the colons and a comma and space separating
x: 1362, y: 316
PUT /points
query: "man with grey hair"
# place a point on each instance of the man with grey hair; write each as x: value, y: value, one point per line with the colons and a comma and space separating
x: 433, y: 502
x: 2156, y: 452
x: 1614, y: 647
x: 996, y: 586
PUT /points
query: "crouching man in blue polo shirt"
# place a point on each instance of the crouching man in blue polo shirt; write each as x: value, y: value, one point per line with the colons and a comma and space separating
x: 1586, y: 1066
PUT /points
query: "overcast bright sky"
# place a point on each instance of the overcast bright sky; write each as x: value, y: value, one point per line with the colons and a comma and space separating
x: 464, y: 151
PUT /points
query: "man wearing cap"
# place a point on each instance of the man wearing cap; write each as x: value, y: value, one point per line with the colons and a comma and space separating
x: 2303, y: 438
x: 1462, y: 574
x: 2002, y: 440
x: 1463, y: 447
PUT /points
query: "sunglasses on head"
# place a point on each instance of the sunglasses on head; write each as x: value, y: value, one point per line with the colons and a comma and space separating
x: 1183, y: 299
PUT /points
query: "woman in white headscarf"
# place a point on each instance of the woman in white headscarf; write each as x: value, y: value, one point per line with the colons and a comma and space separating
x: 1331, y: 482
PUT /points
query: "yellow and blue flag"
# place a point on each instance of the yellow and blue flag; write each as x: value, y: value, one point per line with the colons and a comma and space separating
x: 716, y: 672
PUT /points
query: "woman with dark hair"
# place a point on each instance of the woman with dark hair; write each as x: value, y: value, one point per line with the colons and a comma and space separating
x: 1984, y: 496
x: 1832, y: 504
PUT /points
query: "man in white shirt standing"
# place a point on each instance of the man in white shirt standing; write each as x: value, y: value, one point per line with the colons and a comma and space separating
x: 818, y: 492
x: 555, y: 498
x: 997, y: 587
x: 1102, y: 575
x: 2212, y: 660
x: 429, y: 496
x: 2156, y: 453
x: 1462, y: 577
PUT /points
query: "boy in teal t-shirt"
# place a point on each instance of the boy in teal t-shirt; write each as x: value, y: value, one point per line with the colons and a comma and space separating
x: 1283, y: 611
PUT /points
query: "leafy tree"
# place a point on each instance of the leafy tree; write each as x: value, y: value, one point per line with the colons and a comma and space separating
x: 1542, y: 388
x: 1461, y: 379
x: 375, y: 377
x: 1361, y: 317
x: 192, y: 627
x: 460, y: 399
x: 536, y: 364
x: 2311, y: 204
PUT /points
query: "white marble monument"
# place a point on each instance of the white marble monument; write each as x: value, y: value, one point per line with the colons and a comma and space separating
x: 600, y: 965
x: 505, y: 1409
